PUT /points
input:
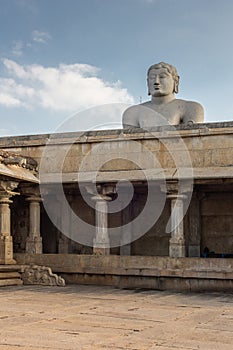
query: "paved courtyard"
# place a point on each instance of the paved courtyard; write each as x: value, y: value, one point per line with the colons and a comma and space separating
x: 91, y: 317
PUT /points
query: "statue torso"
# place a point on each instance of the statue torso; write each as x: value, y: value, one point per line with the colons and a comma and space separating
x: 177, y: 111
x: 169, y: 113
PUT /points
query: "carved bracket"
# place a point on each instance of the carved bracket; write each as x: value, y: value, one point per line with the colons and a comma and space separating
x: 10, y: 158
x: 41, y: 275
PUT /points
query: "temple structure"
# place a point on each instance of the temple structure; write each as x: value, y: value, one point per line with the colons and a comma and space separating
x: 187, y: 245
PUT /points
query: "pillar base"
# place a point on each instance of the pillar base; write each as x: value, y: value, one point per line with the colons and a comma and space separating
x: 101, y: 248
x: 101, y: 251
x: 177, y: 250
x: 34, y: 245
x: 6, y: 251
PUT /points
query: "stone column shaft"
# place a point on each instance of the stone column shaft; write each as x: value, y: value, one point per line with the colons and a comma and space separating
x: 6, y: 245
x: 34, y: 240
x: 34, y: 213
x: 177, y: 241
x: 101, y: 242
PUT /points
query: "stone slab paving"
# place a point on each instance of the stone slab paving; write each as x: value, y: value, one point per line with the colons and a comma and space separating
x: 93, y: 318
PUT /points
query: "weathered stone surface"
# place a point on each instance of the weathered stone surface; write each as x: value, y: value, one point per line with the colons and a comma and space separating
x: 190, y: 274
x: 41, y: 275
x: 97, y: 318
x: 209, y: 147
x: 163, y: 109
x: 9, y: 275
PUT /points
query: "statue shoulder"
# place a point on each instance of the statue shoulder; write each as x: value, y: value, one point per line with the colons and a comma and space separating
x: 131, y: 117
x: 191, y: 111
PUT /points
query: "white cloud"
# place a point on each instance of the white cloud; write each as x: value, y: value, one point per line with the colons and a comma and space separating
x: 65, y: 88
x: 40, y: 37
x: 9, y: 101
x: 17, y: 49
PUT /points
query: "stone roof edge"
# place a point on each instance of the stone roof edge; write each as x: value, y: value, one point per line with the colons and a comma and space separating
x: 124, y: 134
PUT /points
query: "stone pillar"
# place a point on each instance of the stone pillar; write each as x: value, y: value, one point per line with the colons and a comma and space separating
x: 34, y: 239
x: 176, y: 194
x: 177, y: 241
x: 101, y: 244
x: 6, y: 245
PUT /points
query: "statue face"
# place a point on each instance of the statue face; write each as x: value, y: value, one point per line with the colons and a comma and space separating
x: 160, y: 82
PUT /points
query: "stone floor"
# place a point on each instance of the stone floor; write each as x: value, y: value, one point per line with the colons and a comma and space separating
x: 91, y: 317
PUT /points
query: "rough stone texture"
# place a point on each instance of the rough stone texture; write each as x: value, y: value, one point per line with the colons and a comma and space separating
x: 94, y: 318
x: 163, y: 109
x: 9, y: 275
x: 211, y: 151
x: 192, y: 274
x: 41, y: 275
x: 210, y: 145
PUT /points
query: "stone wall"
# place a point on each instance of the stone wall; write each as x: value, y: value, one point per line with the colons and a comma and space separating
x: 193, y: 274
x: 210, y: 146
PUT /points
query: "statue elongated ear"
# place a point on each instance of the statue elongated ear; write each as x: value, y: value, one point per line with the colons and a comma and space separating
x: 176, y: 84
x: 148, y: 87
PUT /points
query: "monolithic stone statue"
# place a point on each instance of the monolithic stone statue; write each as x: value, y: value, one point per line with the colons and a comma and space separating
x: 164, y: 108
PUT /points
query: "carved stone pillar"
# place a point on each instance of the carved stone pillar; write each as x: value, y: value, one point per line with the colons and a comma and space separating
x: 177, y: 247
x: 6, y: 245
x: 177, y: 241
x: 34, y: 239
x: 101, y: 195
x: 101, y: 244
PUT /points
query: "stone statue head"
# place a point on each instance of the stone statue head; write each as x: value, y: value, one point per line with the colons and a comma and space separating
x: 169, y: 69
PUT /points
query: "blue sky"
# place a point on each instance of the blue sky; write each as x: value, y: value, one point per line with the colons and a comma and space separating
x: 59, y: 57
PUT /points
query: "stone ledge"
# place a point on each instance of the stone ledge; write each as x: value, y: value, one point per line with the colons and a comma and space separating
x: 133, y: 266
x: 92, y: 136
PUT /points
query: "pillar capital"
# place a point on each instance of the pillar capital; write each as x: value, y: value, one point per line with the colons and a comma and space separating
x: 176, y: 196
x: 7, y: 188
x: 101, y: 198
x: 4, y: 199
x: 101, y: 190
x: 30, y: 190
x: 175, y: 187
x: 35, y: 199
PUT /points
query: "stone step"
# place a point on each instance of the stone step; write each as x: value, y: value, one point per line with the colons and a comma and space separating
x: 10, y: 276
x: 10, y: 282
x: 4, y: 268
x: 5, y: 275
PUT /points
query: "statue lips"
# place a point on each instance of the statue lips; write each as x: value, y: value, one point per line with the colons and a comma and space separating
x: 156, y: 86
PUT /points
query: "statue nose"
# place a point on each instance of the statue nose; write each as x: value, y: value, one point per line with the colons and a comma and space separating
x: 156, y: 80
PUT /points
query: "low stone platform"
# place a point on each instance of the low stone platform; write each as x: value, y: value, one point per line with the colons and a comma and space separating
x: 161, y: 273
x: 9, y: 275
